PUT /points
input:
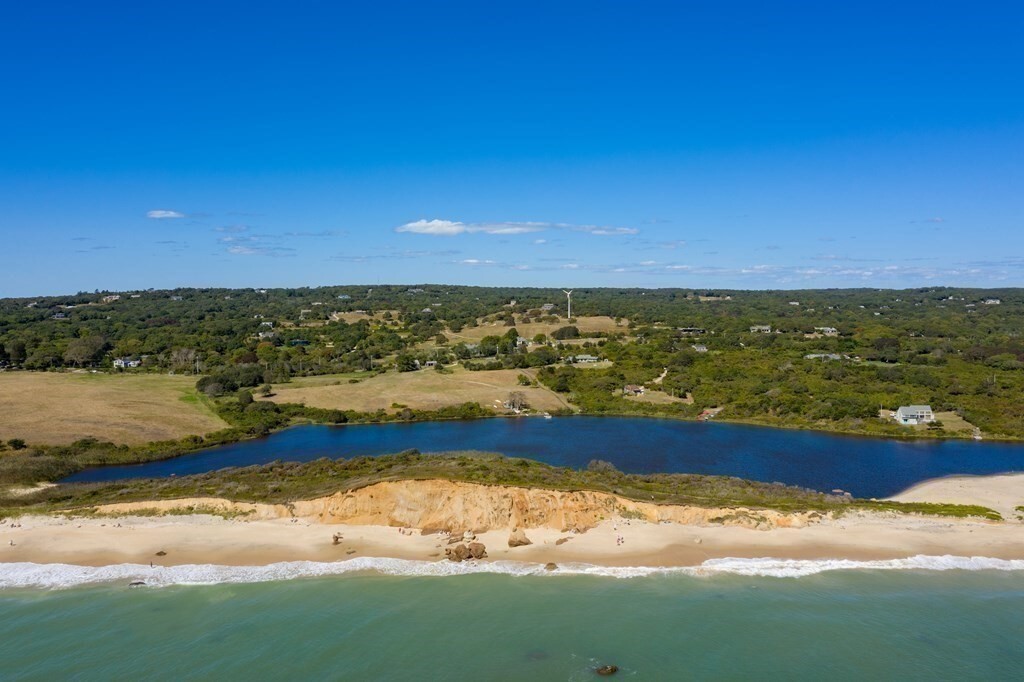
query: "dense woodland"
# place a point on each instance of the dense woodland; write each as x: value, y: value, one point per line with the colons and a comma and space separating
x: 959, y: 350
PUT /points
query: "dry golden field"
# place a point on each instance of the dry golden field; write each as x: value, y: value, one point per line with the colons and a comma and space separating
x: 586, y: 325
x: 425, y: 390
x: 58, y: 408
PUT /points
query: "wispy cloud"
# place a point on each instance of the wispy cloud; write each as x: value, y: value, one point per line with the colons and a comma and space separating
x: 320, y: 233
x: 393, y: 255
x: 843, y: 259
x: 605, y: 231
x: 243, y: 250
x: 163, y: 214
x: 451, y: 228
x: 476, y: 261
x: 231, y: 229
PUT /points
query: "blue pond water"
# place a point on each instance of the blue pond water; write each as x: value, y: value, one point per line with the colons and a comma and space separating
x: 866, y: 467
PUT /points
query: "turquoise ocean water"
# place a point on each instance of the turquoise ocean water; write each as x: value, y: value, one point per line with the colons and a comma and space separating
x: 836, y: 625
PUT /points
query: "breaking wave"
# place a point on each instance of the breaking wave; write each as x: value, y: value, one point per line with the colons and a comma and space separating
x: 62, y: 576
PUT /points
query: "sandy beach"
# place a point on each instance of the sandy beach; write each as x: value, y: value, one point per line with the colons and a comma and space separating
x: 618, y: 540
x: 1003, y: 493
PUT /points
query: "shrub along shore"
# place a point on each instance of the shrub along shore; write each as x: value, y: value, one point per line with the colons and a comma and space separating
x: 285, y: 482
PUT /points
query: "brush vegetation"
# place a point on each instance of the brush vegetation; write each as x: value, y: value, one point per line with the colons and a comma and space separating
x: 285, y: 482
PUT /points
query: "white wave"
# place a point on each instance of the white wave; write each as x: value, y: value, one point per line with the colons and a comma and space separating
x: 796, y: 568
x: 62, y: 576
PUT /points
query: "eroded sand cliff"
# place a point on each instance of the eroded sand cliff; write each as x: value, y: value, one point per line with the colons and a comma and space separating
x: 453, y: 506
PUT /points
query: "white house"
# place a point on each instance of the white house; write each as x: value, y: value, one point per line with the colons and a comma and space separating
x: 827, y: 331
x: 914, y: 414
x: 992, y: 301
x: 125, y: 363
x: 700, y: 348
x: 585, y: 358
x: 761, y: 329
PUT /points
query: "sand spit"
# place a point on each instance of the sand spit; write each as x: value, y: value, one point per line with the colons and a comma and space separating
x: 1003, y: 493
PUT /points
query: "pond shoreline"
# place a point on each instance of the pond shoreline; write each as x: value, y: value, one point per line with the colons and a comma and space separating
x: 865, y: 466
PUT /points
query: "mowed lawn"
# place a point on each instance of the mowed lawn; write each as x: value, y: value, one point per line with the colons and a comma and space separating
x: 425, y: 389
x: 59, y: 408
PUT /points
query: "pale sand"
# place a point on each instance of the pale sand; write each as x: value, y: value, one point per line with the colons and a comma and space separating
x: 1002, y: 493
x: 204, y: 539
x: 263, y: 538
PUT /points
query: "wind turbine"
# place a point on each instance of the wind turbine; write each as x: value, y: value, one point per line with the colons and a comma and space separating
x: 568, y: 296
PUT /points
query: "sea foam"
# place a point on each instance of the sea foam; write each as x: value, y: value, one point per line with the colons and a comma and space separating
x: 62, y: 576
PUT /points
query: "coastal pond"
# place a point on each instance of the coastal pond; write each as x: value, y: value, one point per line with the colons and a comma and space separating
x: 865, y: 467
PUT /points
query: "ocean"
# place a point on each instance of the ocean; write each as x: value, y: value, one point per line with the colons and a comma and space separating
x: 733, y: 620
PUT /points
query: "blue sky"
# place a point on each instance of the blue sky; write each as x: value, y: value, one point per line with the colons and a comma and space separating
x: 711, y: 145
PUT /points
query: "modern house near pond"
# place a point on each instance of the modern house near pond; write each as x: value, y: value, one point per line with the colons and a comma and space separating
x: 912, y: 415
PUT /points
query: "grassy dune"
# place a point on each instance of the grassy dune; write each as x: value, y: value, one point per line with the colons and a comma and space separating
x: 283, y: 482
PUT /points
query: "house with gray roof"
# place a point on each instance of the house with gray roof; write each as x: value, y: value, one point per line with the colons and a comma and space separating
x: 911, y: 415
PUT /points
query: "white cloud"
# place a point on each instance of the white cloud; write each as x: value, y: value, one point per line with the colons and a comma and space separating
x: 451, y: 228
x: 161, y: 214
x: 607, y: 231
x: 239, y: 250
x: 540, y: 241
x: 476, y: 261
x: 445, y: 228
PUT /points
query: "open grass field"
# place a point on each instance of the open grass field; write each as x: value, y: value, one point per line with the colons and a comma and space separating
x: 660, y: 398
x: 425, y: 389
x: 352, y: 317
x: 586, y: 325
x: 951, y: 422
x: 59, y: 408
